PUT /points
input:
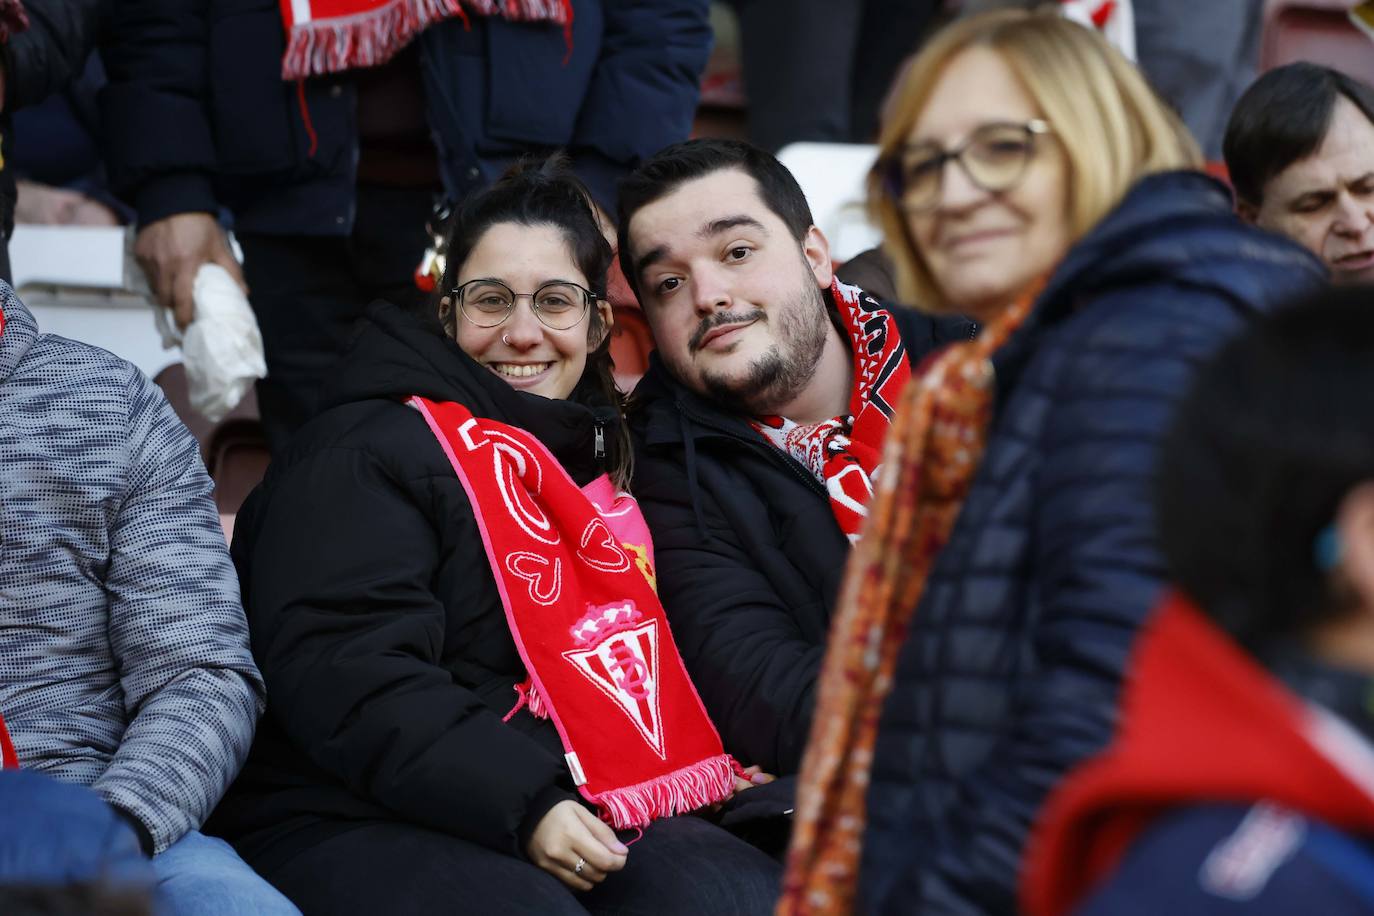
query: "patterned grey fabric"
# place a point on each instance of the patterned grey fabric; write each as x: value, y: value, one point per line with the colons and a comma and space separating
x: 124, y: 660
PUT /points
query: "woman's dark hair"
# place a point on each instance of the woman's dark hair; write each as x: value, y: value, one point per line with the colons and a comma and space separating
x: 544, y: 192
x: 1275, y: 431
x: 1284, y: 117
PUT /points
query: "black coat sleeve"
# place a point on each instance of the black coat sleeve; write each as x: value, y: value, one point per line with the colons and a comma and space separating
x: 348, y: 634
x: 52, y: 51
x: 155, y: 125
x: 644, y: 90
x: 751, y: 663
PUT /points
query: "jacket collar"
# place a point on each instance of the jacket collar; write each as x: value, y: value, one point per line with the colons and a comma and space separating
x: 1170, y: 226
x: 20, y: 331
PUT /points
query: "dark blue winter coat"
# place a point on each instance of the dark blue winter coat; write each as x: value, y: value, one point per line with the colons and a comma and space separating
x: 196, y: 110
x: 1010, y: 670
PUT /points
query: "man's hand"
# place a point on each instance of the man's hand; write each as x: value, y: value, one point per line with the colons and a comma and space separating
x: 570, y: 833
x: 171, y: 250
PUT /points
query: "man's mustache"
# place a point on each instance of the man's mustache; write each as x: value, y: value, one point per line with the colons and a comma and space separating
x: 712, y: 322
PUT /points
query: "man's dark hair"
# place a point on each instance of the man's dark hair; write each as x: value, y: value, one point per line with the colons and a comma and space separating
x: 673, y: 166
x: 1283, y: 117
x: 1275, y: 431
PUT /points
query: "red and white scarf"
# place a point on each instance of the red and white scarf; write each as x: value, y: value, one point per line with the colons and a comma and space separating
x: 328, y: 36
x: 845, y: 452
x: 601, y: 660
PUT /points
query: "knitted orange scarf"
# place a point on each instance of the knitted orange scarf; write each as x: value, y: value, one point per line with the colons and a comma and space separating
x: 929, y: 460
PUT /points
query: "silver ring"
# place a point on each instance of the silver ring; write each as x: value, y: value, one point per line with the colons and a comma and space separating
x: 581, y: 864
x: 505, y: 339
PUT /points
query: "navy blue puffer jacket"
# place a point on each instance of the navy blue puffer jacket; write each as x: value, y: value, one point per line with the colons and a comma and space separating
x: 1010, y: 671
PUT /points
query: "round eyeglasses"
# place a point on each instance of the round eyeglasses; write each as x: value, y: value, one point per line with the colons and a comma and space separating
x: 994, y: 157
x: 559, y: 304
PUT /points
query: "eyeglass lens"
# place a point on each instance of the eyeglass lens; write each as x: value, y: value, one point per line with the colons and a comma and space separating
x: 994, y: 158
x: 487, y: 303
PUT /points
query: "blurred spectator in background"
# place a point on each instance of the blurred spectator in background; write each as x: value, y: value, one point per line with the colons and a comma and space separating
x: 55, y: 157
x: 124, y: 658
x: 819, y: 70
x: 1242, y: 777
x: 333, y: 172
x: 1031, y: 180
x: 44, y: 45
x: 1300, y: 150
x: 1198, y: 56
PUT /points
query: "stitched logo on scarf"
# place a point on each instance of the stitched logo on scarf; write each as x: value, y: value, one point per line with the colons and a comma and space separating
x: 621, y: 659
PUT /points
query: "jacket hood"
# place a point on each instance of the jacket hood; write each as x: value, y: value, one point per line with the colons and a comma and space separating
x: 1201, y: 722
x: 1172, y: 227
x: 18, y: 331
x: 395, y: 354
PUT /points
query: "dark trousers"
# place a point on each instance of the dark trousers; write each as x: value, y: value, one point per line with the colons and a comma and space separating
x: 681, y: 865
x: 308, y: 291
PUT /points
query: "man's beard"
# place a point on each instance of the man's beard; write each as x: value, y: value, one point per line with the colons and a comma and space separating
x: 778, y: 376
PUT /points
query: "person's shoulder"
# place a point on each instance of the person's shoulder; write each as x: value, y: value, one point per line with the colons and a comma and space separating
x: 385, y: 433
x: 1212, y: 858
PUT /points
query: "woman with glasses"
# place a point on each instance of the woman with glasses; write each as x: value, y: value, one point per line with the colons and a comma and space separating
x: 476, y: 703
x: 1030, y: 180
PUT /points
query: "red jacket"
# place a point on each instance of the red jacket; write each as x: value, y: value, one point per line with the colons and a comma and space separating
x: 1201, y: 722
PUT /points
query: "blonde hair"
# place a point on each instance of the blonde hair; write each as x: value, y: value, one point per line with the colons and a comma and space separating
x: 1112, y: 127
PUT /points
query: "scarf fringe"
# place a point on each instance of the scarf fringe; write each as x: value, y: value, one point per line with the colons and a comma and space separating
x: 371, y: 38
x: 529, y: 698
x: 703, y: 783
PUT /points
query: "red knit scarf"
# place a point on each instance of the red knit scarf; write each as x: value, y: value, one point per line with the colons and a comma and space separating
x: 328, y: 36
x: 601, y: 660
x: 844, y: 452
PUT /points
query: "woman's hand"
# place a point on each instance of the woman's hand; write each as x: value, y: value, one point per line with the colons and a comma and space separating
x: 570, y: 834
x: 752, y: 776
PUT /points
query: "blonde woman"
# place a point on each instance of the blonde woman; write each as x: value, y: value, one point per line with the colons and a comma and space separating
x: 1030, y: 180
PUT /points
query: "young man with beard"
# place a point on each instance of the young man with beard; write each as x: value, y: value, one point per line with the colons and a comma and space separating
x: 758, y: 426
x: 1300, y: 150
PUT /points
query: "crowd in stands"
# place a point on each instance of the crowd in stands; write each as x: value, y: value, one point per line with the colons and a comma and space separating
x: 1034, y: 574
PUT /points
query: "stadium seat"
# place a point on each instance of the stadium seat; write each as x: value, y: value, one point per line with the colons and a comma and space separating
x: 832, y: 176
x: 1315, y: 30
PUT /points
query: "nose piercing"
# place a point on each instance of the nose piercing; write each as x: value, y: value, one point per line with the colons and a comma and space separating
x: 505, y: 339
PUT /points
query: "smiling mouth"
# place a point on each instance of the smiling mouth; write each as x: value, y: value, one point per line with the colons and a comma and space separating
x: 718, y: 332
x: 973, y: 238
x: 518, y: 370
x: 1356, y: 260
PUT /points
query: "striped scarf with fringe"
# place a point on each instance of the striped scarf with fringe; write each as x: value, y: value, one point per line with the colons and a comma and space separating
x: 329, y: 36
x: 929, y: 460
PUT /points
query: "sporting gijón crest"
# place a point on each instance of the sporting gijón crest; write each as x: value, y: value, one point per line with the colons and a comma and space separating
x: 618, y: 652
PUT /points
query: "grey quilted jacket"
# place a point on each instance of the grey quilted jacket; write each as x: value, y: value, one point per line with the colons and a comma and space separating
x: 124, y: 661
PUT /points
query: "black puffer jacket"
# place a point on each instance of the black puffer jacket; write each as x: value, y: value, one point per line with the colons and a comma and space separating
x: 1010, y: 672
x: 749, y: 556
x: 376, y: 620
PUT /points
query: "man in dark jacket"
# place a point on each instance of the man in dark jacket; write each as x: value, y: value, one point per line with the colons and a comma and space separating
x: 1300, y: 150
x: 767, y: 381
x: 331, y: 178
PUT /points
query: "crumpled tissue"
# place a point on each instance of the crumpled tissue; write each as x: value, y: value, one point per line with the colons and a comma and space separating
x: 222, y: 349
